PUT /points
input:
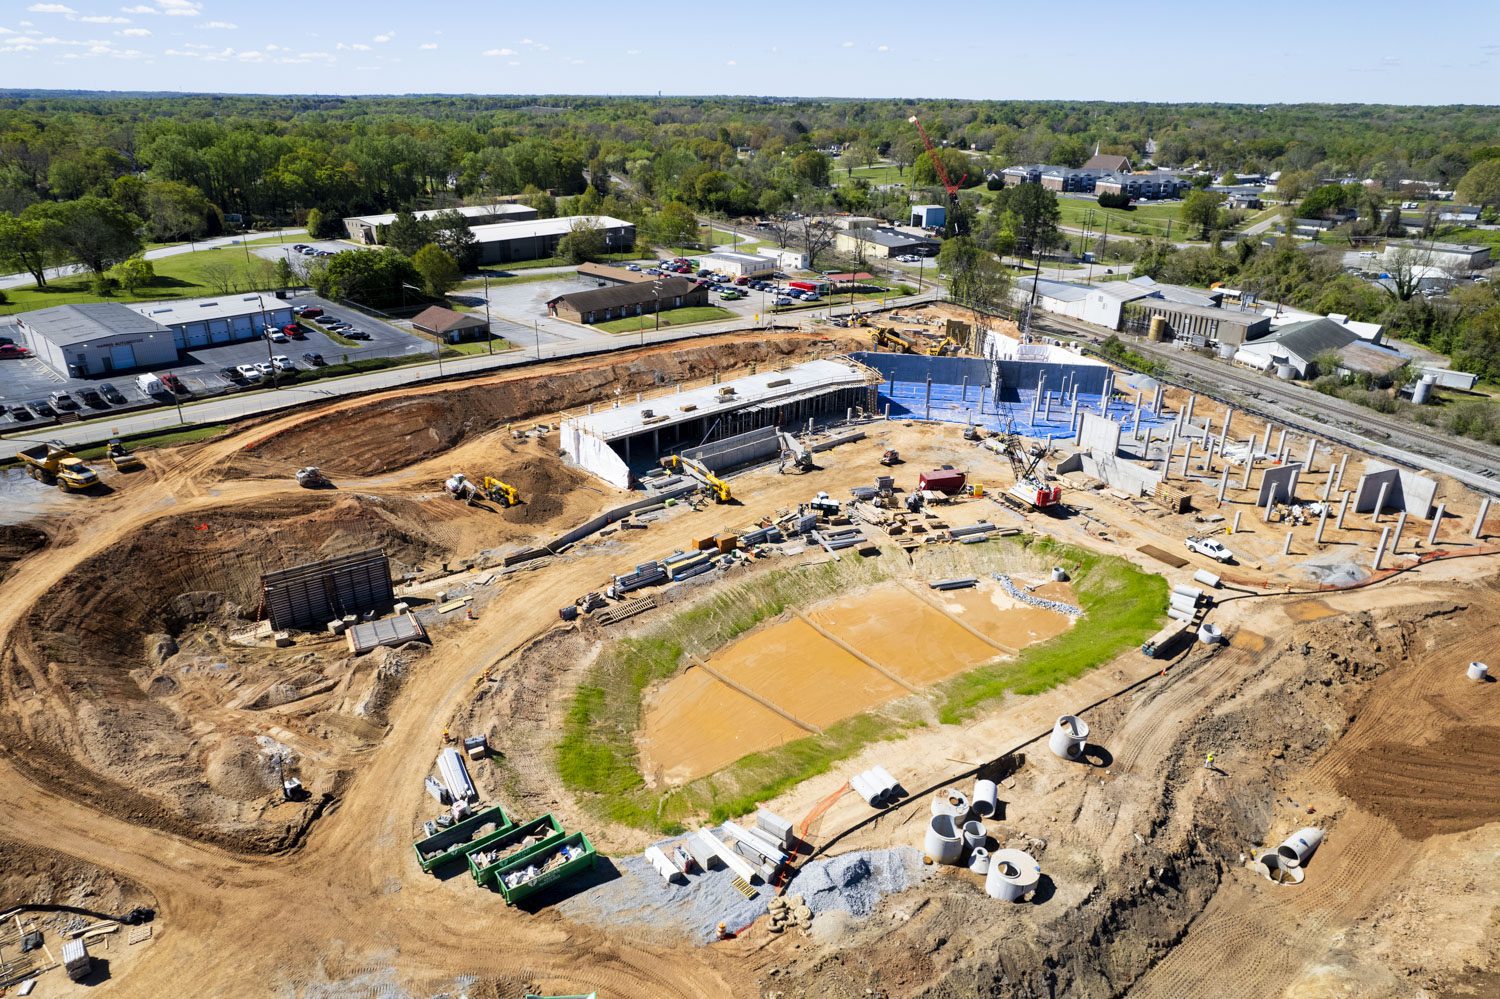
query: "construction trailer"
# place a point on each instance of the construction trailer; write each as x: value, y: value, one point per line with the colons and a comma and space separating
x: 452, y: 843
x: 543, y: 865
x: 488, y: 855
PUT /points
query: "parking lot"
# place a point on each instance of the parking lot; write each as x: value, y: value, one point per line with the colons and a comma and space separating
x: 24, y: 380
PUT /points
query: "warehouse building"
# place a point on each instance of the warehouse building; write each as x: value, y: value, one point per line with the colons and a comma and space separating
x: 1195, y: 324
x: 1454, y: 258
x: 882, y: 242
x: 371, y: 229
x: 929, y: 216
x: 748, y: 265
x: 612, y: 275
x: 601, y: 305
x: 207, y: 322
x: 100, y: 338
x: 785, y: 259
x: 618, y: 444
x: 503, y: 242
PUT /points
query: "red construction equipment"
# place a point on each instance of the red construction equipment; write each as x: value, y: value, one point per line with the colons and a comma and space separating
x: 937, y: 164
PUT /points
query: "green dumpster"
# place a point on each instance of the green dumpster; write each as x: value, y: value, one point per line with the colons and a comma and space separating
x: 500, y: 847
x: 529, y: 871
x: 448, y: 844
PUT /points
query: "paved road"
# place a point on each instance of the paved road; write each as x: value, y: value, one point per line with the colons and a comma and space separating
x: 235, y: 407
x: 23, y: 280
x: 1415, y: 446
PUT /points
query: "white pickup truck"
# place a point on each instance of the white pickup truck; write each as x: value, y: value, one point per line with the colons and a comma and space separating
x: 1213, y: 549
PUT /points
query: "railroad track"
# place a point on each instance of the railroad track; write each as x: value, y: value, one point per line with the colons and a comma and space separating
x: 1327, y: 417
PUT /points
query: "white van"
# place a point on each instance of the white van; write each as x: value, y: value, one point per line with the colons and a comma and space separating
x: 151, y: 385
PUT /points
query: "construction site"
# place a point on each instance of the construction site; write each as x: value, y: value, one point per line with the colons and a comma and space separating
x: 912, y: 657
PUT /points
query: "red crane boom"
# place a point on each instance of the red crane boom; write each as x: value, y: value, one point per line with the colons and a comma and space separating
x: 937, y: 163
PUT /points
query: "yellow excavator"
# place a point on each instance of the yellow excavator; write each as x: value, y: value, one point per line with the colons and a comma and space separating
x: 717, y: 487
x: 500, y: 492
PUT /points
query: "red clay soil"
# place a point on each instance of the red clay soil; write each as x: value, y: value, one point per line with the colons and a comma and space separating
x: 1445, y: 786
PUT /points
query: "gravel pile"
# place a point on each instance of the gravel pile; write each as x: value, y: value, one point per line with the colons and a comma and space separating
x: 856, y: 882
x: 1036, y: 601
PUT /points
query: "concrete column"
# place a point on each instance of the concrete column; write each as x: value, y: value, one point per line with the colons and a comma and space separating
x: 1187, y: 456
x: 1380, y: 546
x: 1322, y: 523
x: 1343, y: 460
x: 1280, y: 442
x: 929, y: 398
x: 1437, y: 520
x: 1286, y: 549
x: 887, y: 411
x: 1191, y: 400
x: 1268, y: 435
x: 1343, y: 509
x: 1077, y: 428
x: 963, y: 392
x: 1166, y: 465
x: 1400, y: 526
x: 1312, y: 450
x: 1236, y: 528
x: 1328, y: 486
x: 1254, y: 439
x: 1136, y: 429
x: 1284, y: 449
x: 1223, y: 483
x: 1380, y: 500
x: 1073, y: 417
x: 1265, y: 515
x: 1228, y: 416
x: 1249, y: 466
x: 1049, y: 407
x: 1484, y: 508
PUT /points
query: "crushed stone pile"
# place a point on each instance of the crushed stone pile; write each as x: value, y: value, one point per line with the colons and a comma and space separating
x: 856, y: 882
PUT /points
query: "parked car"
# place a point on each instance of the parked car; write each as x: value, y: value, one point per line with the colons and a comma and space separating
x: 92, y: 398
x: 275, y: 335
x: 41, y: 408
x: 731, y: 294
x: 265, y: 368
x: 783, y: 301
x: 10, y: 350
x: 62, y: 401
x: 111, y: 393
x: 1210, y: 547
x: 248, y: 372
x: 307, y: 311
x: 299, y: 247
x: 632, y: 267
x: 18, y: 412
x: 314, y: 360
x: 283, y: 363
x: 294, y: 331
x: 353, y: 334
x: 174, y: 384
x: 231, y: 375
x: 811, y: 296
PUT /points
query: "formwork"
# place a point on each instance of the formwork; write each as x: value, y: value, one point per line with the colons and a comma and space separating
x: 317, y: 592
x: 370, y: 635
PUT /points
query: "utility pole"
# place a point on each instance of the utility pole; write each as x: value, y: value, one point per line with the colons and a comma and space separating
x: 489, y: 336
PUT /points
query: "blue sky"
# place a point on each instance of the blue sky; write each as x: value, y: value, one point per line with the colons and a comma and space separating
x: 1274, y: 51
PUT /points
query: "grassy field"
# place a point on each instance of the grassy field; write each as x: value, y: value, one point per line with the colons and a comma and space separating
x: 1142, y: 220
x: 671, y: 317
x: 597, y: 758
x: 477, y: 284
x: 1473, y: 237
x: 183, y: 275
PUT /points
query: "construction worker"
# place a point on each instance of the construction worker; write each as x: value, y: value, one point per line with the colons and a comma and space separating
x: 1208, y: 762
x: 723, y: 931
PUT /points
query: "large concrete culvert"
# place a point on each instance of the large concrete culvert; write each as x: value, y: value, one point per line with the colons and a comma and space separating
x: 1285, y: 864
x: 943, y: 842
x: 1070, y: 737
x: 1013, y: 875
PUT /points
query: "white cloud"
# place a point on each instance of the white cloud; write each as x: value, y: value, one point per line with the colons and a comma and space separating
x: 252, y: 56
x: 102, y: 19
x: 427, y: 46
x: 180, y: 8
x: 527, y: 41
x: 383, y: 38
x: 848, y: 45
x: 731, y: 63
x: 632, y: 51
x: 512, y: 63
x: 492, y: 53
x: 352, y: 47
x: 51, y: 8
x: 134, y: 33
x: 273, y: 47
x: 18, y: 47
x: 140, y: 9
x: 883, y: 48
x: 7, y: 31
x: 218, y: 26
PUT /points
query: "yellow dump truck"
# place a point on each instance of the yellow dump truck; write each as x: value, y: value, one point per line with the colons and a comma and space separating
x: 54, y: 464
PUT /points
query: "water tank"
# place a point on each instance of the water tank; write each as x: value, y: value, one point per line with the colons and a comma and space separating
x: 1285, y: 371
x: 1069, y: 737
x: 1420, y: 391
x: 1158, y: 330
x: 1226, y: 350
x: 1013, y: 875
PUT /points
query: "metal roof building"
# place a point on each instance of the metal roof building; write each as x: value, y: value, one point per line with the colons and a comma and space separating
x: 97, y: 338
x: 371, y: 228
x: 204, y: 322
x: 502, y: 242
x: 610, y: 443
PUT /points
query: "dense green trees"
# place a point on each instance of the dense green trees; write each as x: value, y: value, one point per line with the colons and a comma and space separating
x: 1201, y: 208
x: 438, y: 269
x: 373, y: 278
x: 1481, y: 185
x: 93, y: 231
x: 25, y: 244
x: 1026, y: 218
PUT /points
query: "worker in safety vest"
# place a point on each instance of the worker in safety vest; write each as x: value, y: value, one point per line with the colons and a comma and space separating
x: 1208, y: 762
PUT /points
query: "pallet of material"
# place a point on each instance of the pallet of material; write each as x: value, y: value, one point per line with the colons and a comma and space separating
x: 613, y: 615
x: 1175, y: 561
x: 449, y: 844
x: 487, y: 855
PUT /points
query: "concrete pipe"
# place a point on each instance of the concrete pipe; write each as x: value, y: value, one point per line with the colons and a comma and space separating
x: 979, y: 860
x: 888, y: 784
x: 1059, y: 575
x: 1184, y: 590
x: 1209, y: 634
x: 1013, y: 875
x: 953, y: 803
x: 974, y: 834
x: 1182, y: 603
x: 1299, y: 846
x: 1179, y: 615
x: 1479, y: 671
x: 1207, y: 579
x: 866, y: 790
x: 986, y: 798
x: 1069, y: 737
x: 942, y: 842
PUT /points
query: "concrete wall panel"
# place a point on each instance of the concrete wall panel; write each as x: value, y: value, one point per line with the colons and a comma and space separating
x: 1100, y: 435
x: 1280, y: 482
x: 1409, y: 491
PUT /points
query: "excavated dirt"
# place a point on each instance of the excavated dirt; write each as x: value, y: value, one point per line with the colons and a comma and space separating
x: 18, y: 542
x: 1446, y: 785
x: 391, y: 433
x: 162, y: 718
x: 35, y: 875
